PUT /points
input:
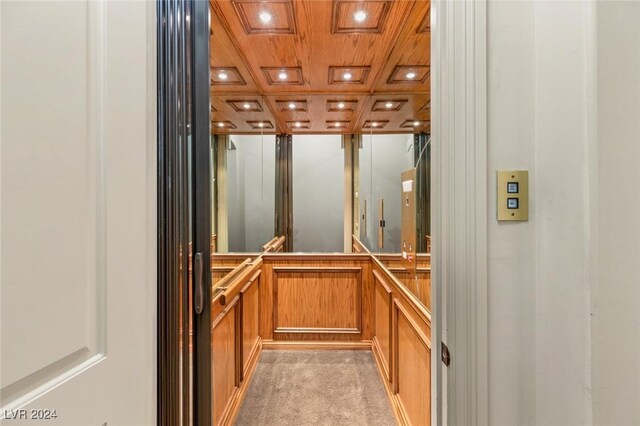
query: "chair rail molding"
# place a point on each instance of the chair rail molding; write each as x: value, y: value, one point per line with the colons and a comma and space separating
x: 459, y: 211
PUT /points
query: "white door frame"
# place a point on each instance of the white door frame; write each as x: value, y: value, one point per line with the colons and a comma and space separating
x: 459, y: 211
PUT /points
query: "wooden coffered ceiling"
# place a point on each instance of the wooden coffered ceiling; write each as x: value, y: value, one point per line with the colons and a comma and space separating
x: 314, y: 68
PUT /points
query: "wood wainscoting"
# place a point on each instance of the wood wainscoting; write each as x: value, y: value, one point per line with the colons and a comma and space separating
x: 419, y: 283
x: 402, y: 347
x: 316, y: 298
x: 235, y: 339
x: 320, y: 301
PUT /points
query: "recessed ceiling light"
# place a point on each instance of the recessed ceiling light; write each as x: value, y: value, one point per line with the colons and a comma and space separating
x: 411, y: 75
x: 298, y: 124
x: 220, y: 124
x: 265, y: 17
x: 341, y: 105
x: 246, y: 106
x: 416, y: 123
x: 374, y: 124
x: 283, y: 75
x: 389, y: 104
x: 360, y: 16
x: 223, y: 75
x: 347, y: 76
x: 261, y: 124
x: 292, y: 106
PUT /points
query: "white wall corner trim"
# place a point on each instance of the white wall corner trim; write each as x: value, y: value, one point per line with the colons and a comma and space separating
x: 459, y: 123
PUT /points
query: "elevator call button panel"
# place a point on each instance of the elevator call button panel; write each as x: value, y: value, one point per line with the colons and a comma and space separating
x: 513, y: 195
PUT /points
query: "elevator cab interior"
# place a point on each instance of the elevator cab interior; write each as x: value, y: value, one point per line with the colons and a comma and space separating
x: 319, y: 109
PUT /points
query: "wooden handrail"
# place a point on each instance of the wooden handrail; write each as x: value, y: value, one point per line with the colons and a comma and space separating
x: 249, y: 272
x: 276, y: 244
x: 415, y: 302
x: 357, y: 245
x: 228, y: 279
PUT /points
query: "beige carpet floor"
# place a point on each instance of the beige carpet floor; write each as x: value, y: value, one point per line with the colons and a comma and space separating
x: 316, y: 388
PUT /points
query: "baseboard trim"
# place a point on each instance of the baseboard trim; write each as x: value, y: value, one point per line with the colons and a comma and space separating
x: 315, y: 345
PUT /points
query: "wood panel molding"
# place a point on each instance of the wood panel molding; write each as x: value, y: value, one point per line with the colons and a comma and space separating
x: 412, y: 368
x: 285, y: 105
x: 283, y: 17
x: 417, y: 125
x: 236, y: 344
x: 234, y: 78
x: 399, y: 74
x: 226, y: 124
x: 225, y: 369
x: 300, y: 124
x: 245, y: 105
x: 260, y: 124
x: 337, y: 125
x: 347, y: 105
x: 324, y: 300
x: 375, y: 124
x: 272, y: 76
x: 343, y: 12
x: 425, y: 23
x: 359, y: 74
x: 383, y: 323
x: 388, y: 104
x: 250, y: 321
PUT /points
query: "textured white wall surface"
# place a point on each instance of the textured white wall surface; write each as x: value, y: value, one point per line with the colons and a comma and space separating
x: 564, y: 288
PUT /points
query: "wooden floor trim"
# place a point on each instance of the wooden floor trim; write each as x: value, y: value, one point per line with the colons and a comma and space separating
x: 315, y: 345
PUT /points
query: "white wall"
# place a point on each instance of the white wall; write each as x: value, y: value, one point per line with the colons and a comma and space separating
x: 563, y: 90
x: 615, y: 224
x: 511, y: 247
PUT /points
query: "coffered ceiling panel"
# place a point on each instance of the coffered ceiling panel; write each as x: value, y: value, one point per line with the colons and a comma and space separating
x: 224, y: 57
x: 425, y: 23
x: 389, y: 104
x: 246, y: 105
x: 318, y: 111
x: 299, y: 105
x: 314, y: 47
x: 410, y: 55
x: 320, y: 66
x: 266, y: 17
x: 236, y: 112
x: 410, y: 116
x: 359, y: 17
x: 334, y: 105
x: 227, y: 76
x: 350, y: 75
x: 261, y: 124
x: 283, y: 76
x: 409, y: 74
